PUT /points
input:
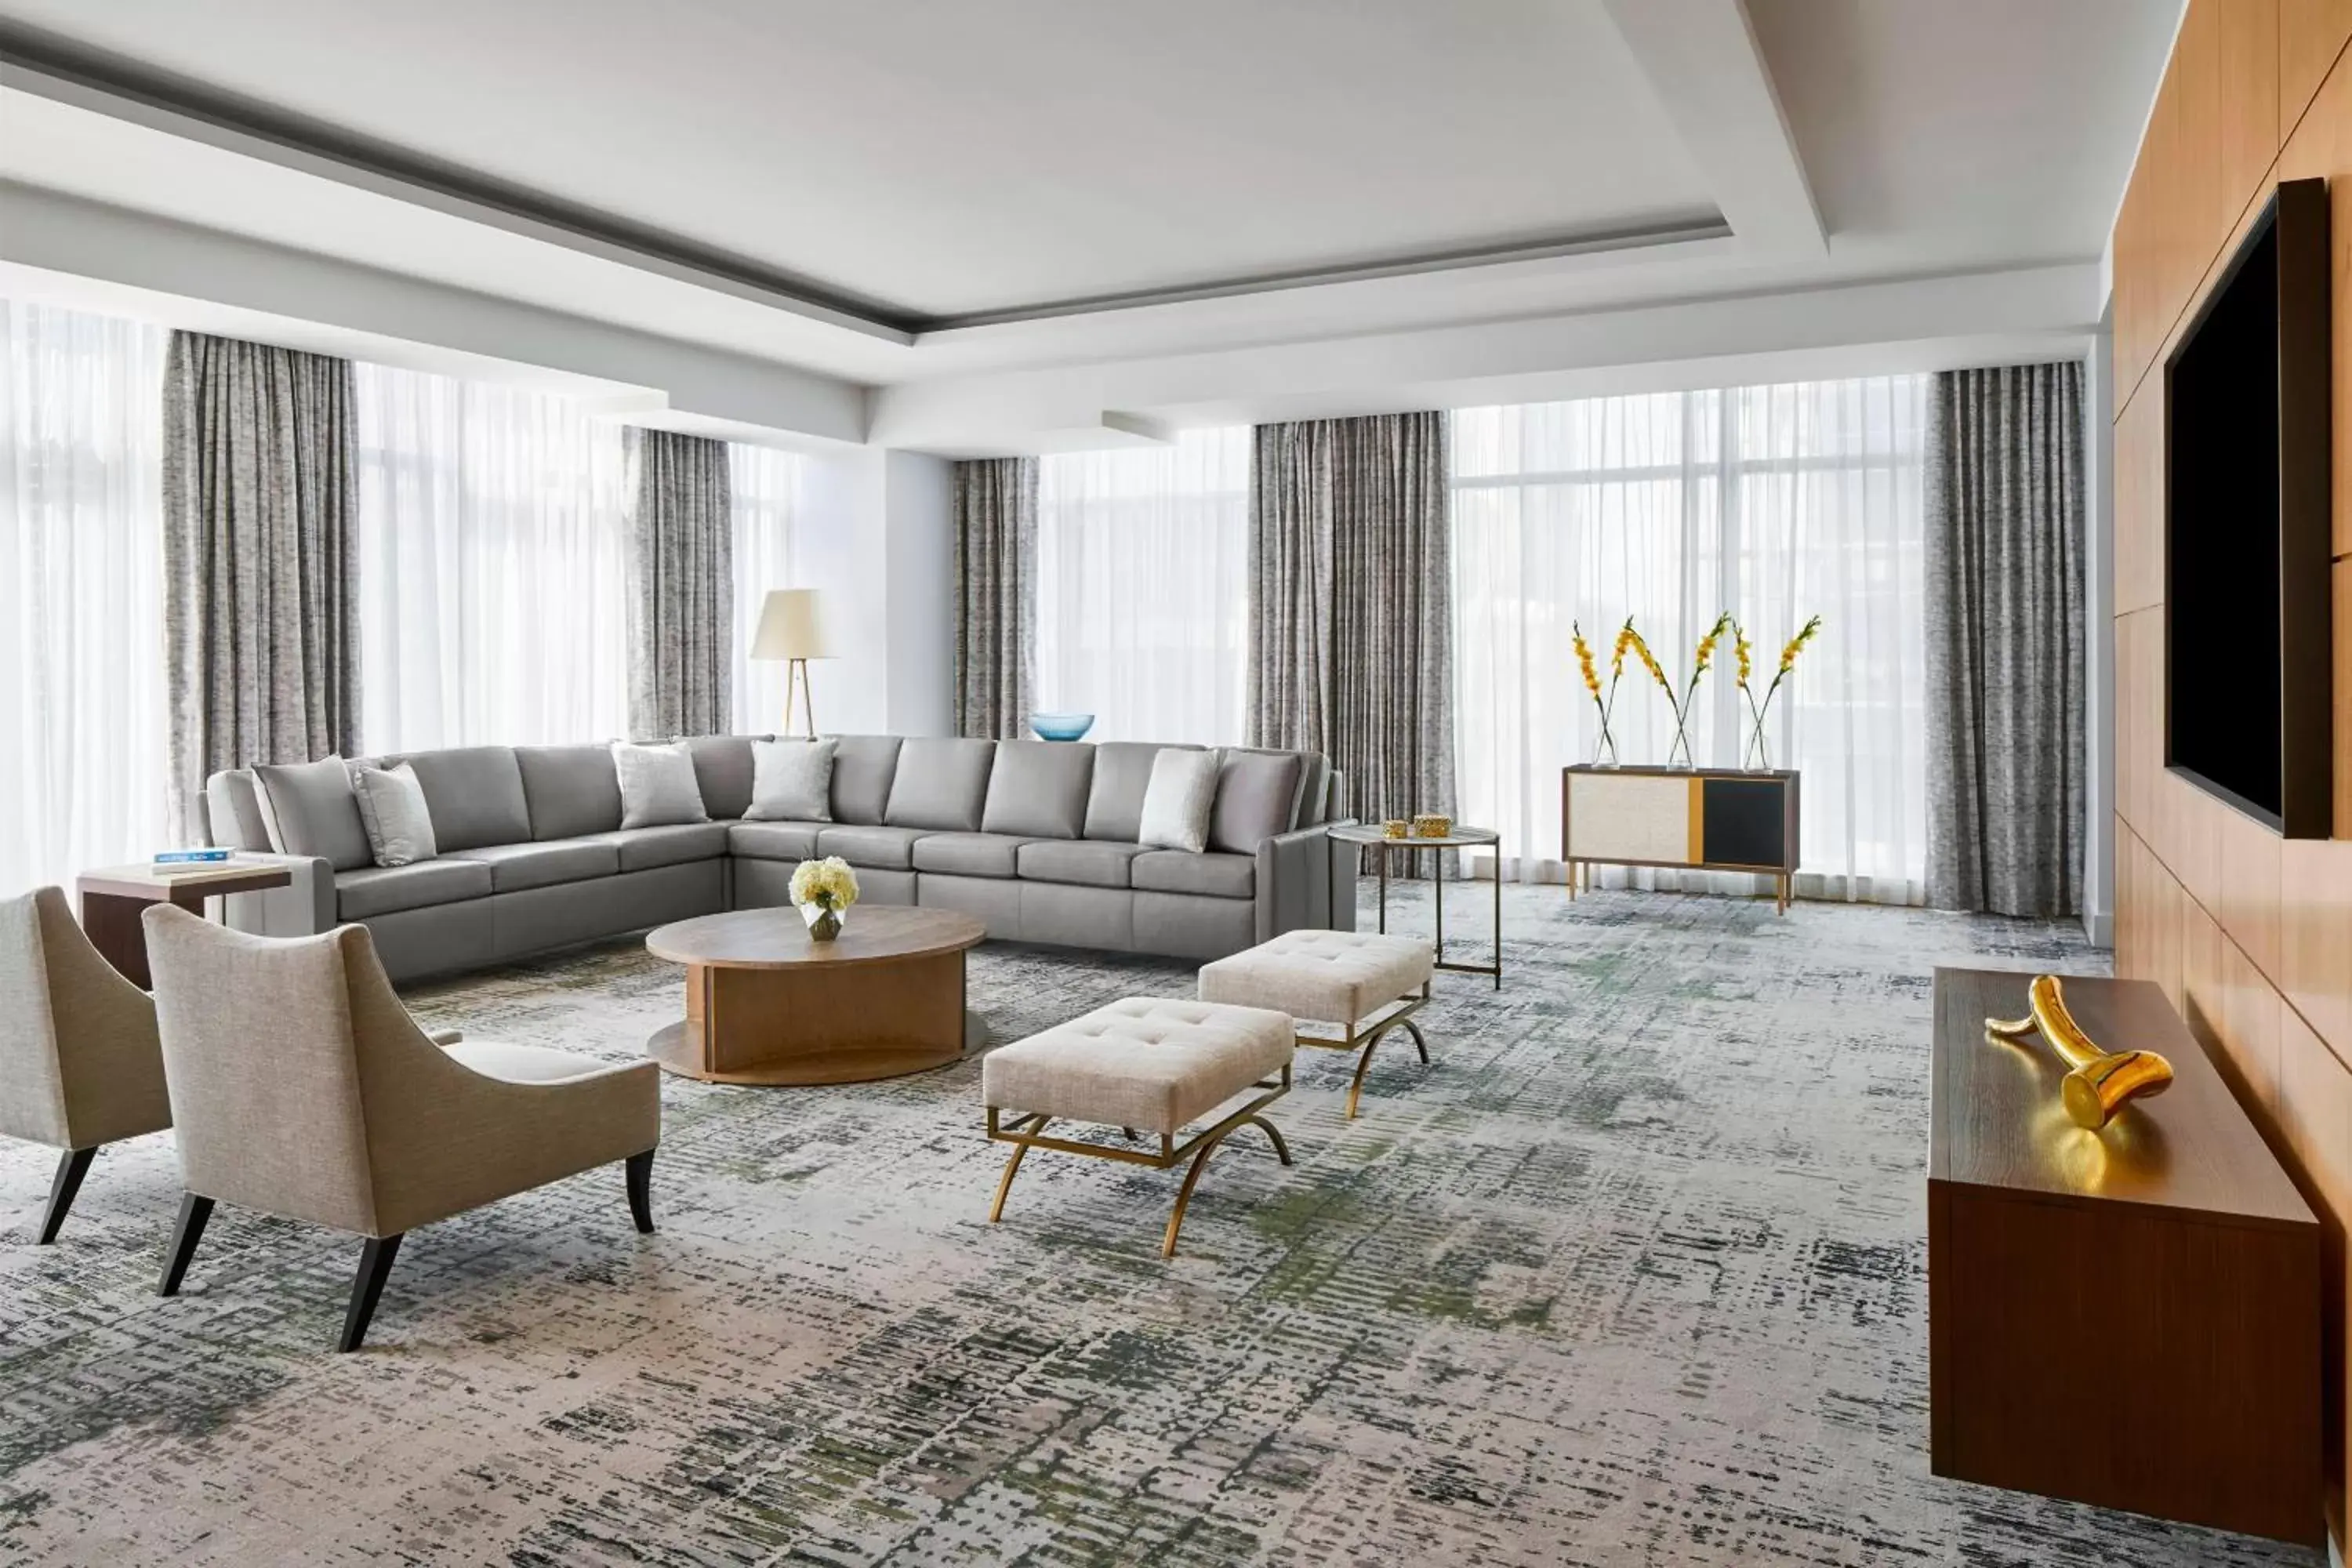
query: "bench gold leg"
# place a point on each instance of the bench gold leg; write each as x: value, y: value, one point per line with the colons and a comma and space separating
x: 1363, y: 1065
x: 1418, y: 1043
x: 1029, y: 1126
x: 1193, y: 1176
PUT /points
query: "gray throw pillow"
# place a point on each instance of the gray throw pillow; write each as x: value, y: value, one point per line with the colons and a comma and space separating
x: 392, y: 808
x: 791, y: 781
x: 1176, y: 801
x: 658, y: 788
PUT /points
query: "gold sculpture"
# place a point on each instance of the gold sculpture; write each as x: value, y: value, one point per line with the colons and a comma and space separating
x: 1430, y: 825
x: 2099, y: 1081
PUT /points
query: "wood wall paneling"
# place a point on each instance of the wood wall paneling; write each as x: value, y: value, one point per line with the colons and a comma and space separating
x: 2311, y: 34
x: 2252, y: 936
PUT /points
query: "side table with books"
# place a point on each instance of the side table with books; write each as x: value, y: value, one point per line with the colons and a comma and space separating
x: 114, y: 899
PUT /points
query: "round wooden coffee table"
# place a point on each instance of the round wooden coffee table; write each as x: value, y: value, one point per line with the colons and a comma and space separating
x: 766, y: 1003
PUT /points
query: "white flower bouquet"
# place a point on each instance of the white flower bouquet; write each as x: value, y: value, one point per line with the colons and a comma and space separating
x: 823, y: 890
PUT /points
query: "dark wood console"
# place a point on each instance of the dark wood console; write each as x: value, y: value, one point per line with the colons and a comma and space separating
x: 2128, y: 1318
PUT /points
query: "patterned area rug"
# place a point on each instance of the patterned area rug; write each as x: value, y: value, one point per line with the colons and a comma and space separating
x: 1632, y: 1273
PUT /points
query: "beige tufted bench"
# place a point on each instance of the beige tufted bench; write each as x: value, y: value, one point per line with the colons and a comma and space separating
x: 1363, y: 983
x: 1139, y: 1064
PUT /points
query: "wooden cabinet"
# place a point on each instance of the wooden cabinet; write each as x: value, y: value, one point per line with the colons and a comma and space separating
x: 2129, y: 1318
x: 1714, y: 819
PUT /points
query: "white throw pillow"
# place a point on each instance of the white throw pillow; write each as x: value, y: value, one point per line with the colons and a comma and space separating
x: 1177, y: 799
x: 791, y: 781
x: 393, y: 810
x: 658, y: 788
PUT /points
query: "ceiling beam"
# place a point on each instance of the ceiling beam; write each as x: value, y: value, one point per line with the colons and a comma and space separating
x: 1702, y: 60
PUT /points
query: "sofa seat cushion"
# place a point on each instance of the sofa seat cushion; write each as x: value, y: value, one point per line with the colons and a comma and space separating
x: 514, y: 866
x: 388, y: 890
x: 1332, y: 977
x: 1145, y: 1063
x: 774, y: 840
x: 883, y: 848
x: 1177, y: 871
x: 642, y: 849
x: 970, y: 854
x: 1085, y: 862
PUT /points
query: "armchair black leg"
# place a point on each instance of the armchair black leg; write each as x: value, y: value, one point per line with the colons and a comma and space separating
x: 71, y: 1167
x: 376, y: 1265
x: 194, y: 1212
x: 641, y: 1190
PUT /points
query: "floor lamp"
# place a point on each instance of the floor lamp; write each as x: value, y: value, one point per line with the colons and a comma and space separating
x: 791, y: 628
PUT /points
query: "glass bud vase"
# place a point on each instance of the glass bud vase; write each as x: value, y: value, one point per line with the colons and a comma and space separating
x: 823, y: 924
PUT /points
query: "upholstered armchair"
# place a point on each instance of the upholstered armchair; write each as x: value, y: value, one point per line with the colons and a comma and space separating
x: 301, y: 1087
x: 78, y: 1063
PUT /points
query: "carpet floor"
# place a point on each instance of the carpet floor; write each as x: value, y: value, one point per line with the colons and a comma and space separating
x: 1633, y: 1273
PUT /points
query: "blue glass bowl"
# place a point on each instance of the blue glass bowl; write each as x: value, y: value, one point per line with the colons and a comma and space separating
x: 1061, y: 726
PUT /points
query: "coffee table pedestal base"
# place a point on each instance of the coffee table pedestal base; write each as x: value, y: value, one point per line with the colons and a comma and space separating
x: 812, y: 1025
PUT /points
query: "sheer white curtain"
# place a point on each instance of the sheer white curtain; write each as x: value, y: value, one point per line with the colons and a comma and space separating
x: 81, y: 594
x: 767, y: 489
x: 493, y: 600
x: 1773, y: 502
x: 1143, y: 588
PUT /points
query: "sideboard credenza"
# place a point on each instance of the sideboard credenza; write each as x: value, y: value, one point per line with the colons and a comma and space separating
x: 1712, y: 819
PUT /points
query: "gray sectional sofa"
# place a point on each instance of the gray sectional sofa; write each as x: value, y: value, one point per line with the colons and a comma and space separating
x: 1036, y: 838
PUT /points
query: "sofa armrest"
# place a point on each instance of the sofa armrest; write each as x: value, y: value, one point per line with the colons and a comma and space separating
x: 1295, y: 880
x: 305, y: 907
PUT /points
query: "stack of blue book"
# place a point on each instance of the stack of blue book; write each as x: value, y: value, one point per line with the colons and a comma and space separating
x: 191, y: 857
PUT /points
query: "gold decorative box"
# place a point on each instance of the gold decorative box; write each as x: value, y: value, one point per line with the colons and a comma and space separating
x: 1395, y: 828
x: 1428, y: 824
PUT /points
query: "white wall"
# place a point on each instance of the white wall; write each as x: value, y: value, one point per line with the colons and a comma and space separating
x: 919, y: 508
x: 876, y: 537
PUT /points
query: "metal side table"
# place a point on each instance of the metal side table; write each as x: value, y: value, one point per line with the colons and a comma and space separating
x: 1372, y: 837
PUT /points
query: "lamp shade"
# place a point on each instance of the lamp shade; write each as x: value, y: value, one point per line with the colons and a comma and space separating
x: 792, y: 626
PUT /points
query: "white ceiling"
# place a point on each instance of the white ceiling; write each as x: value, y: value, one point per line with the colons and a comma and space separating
x: 818, y: 184
x: 938, y: 158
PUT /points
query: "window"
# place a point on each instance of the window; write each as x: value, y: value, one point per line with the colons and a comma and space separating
x: 766, y: 485
x: 492, y: 566
x: 1773, y: 502
x: 1143, y: 588
x: 82, y: 713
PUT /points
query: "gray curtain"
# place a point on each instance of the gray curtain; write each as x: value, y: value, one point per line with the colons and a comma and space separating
x: 1351, y: 613
x: 681, y: 586
x: 2005, y: 640
x: 261, y: 637
x: 996, y: 597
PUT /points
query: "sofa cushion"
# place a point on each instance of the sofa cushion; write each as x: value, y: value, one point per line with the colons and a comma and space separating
x: 1039, y: 789
x: 514, y: 866
x: 863, y: 766
x: 1087, y: 862
x: 1220, y: 876
x: 1181, y: 800
x: 476, y: 793
x: 659, y: 787
x: 940, y: 784
x: 1115, y: 800
x: 969, y: 854
x: 571, y: 790
x: 1258, y: 798
x: 388, y: 890
x: 774, y: 840
x: 308, y: 810
x: 882, y: 848
x: 392, y: 808
x: 642, y: 849
x: 722, y: 768
x: 791, y: 781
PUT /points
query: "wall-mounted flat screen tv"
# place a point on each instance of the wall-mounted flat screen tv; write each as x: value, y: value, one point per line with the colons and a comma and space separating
x: 2248, y: 636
